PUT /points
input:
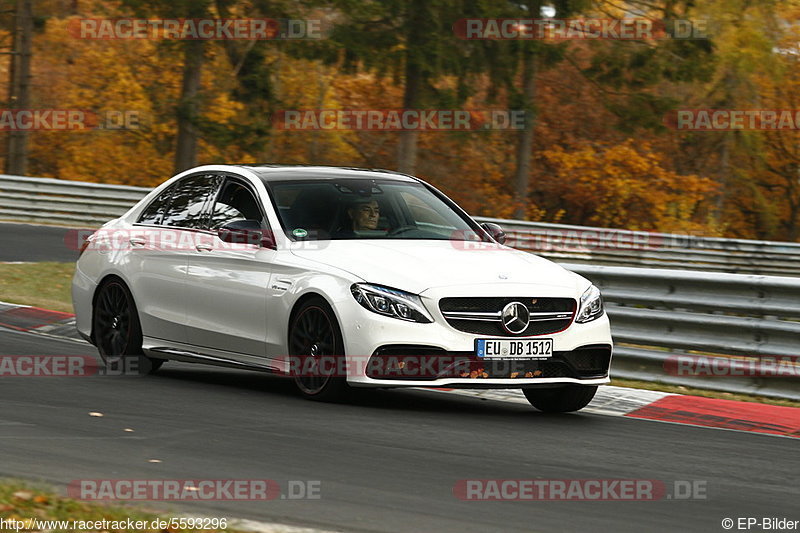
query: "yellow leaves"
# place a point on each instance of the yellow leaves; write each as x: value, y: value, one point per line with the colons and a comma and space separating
x: 106, y: 78
x: 221, y: 108
x: 626, y: 186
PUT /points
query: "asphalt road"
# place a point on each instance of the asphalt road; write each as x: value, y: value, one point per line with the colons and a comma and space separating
x: 28, y: 242
x: 387, y: 461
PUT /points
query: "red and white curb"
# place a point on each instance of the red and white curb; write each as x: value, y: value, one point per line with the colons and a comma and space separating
x: 675, y: 408
x: 610, y: 401
x: 37, y: 320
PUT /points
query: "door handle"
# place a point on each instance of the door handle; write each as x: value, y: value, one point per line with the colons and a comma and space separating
x: 204, y: 247
x: 137, y: 241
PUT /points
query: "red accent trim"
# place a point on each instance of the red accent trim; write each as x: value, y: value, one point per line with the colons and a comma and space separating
x: 727, y: 414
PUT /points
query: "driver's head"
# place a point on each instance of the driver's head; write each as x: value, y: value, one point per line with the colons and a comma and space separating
x: 364, y: 213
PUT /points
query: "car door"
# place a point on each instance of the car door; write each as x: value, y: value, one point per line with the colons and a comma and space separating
x: 158, y: 257
x: 227, y: 283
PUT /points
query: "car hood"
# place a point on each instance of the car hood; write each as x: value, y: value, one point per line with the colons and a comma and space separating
x: 415, y: 266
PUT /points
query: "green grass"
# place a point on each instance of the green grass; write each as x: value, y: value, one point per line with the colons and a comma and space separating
x: 45, y: 285
x: 22, y: 501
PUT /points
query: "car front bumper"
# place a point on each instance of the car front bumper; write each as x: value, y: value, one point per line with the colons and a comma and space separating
x: 368, y: 335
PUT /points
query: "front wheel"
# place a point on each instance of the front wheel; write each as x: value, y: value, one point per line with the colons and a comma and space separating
x: 563, y: 399
x: 316, y: 349
x: 117, y: 331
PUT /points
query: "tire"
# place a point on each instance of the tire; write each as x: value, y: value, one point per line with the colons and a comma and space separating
x: 314, y: 336
x: 117, y: 331
x: 561, y: 399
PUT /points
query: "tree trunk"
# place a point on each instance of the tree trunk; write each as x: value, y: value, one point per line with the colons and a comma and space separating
x: 418, y: 28
x: 188, y: 108
x: 19, y: 86
x: 525, y: 143
x: 407, y: 145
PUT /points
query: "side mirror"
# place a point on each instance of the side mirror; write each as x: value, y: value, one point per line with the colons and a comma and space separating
x: 495, y: 232
x: 246, y: 232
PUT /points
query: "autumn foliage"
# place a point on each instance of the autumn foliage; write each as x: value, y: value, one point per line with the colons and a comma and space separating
x: 600, y: 155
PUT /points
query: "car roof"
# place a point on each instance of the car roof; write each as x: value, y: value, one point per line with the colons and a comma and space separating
x: 272, y: 173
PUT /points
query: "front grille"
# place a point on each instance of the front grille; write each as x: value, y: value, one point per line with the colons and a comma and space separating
x: 482, y: 316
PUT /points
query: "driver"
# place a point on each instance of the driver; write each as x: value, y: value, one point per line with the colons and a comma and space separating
x: 364, y: 214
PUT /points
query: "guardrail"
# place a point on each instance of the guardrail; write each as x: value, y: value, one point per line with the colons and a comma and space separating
x: 72, y: 203
x: 728, y: 332
x: 658, y: 315
x: 603, y: 246
x: 90, y: 204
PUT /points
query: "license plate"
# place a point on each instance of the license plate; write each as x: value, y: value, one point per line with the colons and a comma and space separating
x: 514, y: 348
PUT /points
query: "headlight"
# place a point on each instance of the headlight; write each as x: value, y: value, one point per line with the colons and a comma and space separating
x: 591, y: 306
x: 391, y: 302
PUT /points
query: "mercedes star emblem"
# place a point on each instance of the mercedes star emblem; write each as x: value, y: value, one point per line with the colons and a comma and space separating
x: 515, y: 318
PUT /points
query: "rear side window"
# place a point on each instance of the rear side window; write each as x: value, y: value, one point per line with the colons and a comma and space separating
x: 153, y: 213
x: 188, y: 201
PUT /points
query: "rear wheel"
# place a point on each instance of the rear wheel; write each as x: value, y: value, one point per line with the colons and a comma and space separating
x: 561, y: 399
x: 317, y: 351
x: 117, y: 331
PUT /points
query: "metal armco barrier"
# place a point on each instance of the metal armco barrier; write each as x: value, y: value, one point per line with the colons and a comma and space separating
x: 71, y: 203
x: 79, y: 203
x: 724, y: 320
x: 719, y: 303
x: 603, y: 246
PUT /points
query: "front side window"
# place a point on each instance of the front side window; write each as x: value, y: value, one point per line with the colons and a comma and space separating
x: 189, y: 199
x: 234, y: 202
x: 366, y: 209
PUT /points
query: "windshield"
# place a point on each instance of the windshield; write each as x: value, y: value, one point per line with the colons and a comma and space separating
x: 366, y: 209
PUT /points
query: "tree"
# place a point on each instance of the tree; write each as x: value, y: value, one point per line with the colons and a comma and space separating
x: 410, y: 39
x: 627, y: 186
x: 771, y: 194
x: 189, y: 106
x: 19, y: 86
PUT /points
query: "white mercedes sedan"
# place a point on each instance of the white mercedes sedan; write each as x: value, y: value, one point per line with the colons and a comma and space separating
x: 336, y: 278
